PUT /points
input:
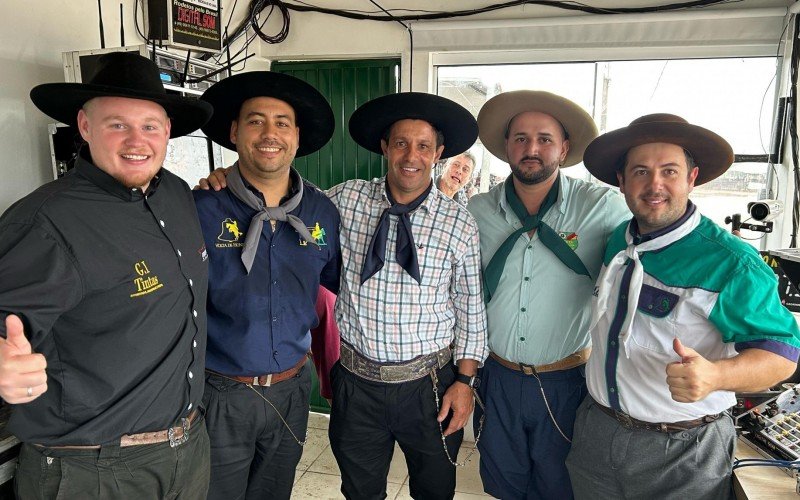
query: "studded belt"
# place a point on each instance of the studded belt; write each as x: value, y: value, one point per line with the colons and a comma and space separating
x: 392, y: 373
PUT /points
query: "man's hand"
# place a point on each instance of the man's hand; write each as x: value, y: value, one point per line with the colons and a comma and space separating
x: 458, y: 398
x: 693, y: 377
x: 22, y: 372
x: 215, y: 180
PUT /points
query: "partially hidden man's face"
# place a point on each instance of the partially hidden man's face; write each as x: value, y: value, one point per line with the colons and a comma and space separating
x: 266, y: 137
x: 411, y: 152
x: 656, y: 182
x: 127, y: 137
x: 458, y: 172
x: 535, y: 146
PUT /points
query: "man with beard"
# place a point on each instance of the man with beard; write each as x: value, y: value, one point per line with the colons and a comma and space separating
x: 542, y: 239
x: 457, y: 174
x: 273, y: 239
x: 106, y: 269
x: 685, y: 315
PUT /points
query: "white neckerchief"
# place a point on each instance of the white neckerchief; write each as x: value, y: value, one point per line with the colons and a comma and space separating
x: 617, y: 264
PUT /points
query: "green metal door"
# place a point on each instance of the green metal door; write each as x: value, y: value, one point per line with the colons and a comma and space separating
x: 347, y: 85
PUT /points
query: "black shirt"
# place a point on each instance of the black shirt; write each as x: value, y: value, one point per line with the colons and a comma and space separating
x: 110, y: 284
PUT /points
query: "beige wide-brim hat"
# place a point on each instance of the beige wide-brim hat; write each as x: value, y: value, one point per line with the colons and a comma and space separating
x: 496, y: 114
x: 712, y: 154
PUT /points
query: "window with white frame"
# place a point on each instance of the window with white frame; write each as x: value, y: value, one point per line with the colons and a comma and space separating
x: 732, y: 96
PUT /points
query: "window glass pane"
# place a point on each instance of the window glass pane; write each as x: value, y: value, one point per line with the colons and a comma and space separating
x: 734, y: 97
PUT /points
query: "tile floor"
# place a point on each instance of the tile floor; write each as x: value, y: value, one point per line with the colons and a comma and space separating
x: 318, y: 474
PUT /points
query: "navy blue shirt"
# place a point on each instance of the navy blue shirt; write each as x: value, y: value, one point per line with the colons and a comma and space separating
x: 259, y: 323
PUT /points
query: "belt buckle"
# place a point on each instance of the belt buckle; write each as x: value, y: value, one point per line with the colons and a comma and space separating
x: 394, y: 374
x: 624, y: 419
x: 173, y: 441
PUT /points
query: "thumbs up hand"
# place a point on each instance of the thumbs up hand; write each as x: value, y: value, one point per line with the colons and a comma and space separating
x: 693, y: 377
x: 22, y: 372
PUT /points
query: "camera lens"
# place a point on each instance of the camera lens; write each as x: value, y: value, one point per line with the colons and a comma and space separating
x: 759, y: 211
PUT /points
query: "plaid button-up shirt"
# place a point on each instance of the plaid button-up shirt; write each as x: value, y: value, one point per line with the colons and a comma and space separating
x: 391, y: 317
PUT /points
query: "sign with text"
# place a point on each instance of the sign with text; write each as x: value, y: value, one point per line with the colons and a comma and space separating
x: 186, y: 24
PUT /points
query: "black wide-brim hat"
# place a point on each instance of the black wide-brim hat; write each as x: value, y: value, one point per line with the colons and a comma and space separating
x: 372, y: 119
x: 313, y: 114
x: 712, y: 154
x: 121, y: 74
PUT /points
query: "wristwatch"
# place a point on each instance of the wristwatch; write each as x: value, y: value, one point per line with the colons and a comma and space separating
x: 472, y: 381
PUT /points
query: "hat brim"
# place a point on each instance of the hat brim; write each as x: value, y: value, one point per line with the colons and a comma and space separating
x: 313, y: 114
x: 712, y: 154
x: 495, y: 116
x: 369, y: 122
x: 62, y: 101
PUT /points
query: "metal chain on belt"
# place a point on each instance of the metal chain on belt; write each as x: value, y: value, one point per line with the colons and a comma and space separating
x: 435, y: 380
x: 286, y: 424
x: 301, y: 443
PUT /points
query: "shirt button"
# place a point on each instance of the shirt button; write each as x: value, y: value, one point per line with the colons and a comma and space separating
x: 526, y: 278
x: 522, y: 339
x: 523, y: 309
x: 274, y: 318
x: 529, y: 247
x: 194, y: 343
x: 623, y: 297
x: 194, y: 313
x: 189, y: 407
x: 179, y: 253
x: 162, y: 223
x: 611, y: 389
x: 191, y: 283
x: 274, y: 282
x: 613, y: 343
x: 191, y: 375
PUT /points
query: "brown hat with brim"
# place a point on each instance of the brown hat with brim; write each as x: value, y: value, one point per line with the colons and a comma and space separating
x: 712, y: 154
x: 495, y: 116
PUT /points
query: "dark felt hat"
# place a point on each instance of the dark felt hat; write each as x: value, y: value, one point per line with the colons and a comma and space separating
x: 712, y: 154
x: 121, y: 74
x: 313, y: 114
x: 372, y: 119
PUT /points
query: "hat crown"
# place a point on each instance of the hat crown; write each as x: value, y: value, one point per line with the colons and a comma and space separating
x: 658, y: 118
x: 127, y: 70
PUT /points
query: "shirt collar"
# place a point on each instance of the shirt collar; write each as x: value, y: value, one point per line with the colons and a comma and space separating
x: 560, y: 205
x: 93, y: 173
x: 294, y: 187
x: 633, y: 227
x: 379, y: 195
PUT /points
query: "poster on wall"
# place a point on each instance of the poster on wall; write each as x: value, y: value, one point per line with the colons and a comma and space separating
x: 185, y: 24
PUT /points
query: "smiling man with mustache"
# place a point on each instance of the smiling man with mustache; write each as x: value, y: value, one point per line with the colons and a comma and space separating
x: 542, y: 239
x: 273, y: 240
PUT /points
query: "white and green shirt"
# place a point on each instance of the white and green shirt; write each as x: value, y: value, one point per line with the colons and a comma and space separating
x: 708, y: 289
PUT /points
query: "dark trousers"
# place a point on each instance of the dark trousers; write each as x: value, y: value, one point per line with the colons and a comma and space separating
x: 612, y: 462
x: 367, y: 418
x: 153, y: 471
x: 522, y: 452
x: 253, y: 454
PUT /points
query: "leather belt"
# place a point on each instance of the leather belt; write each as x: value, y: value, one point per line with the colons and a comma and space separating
x: 175, y: 435
x: 268, y: 379
x: 392, y: 373
x: 631, y: 423
x: 575, y: 359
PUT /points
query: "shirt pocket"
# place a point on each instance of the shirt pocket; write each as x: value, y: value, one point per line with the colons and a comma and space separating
x: 654, y: 327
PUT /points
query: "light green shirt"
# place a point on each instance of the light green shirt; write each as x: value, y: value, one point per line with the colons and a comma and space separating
x: 541, y: 310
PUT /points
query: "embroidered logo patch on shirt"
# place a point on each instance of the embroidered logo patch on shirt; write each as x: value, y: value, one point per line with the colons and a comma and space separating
x: 571, y: 239
x: 145, y: 282
x: 230, y: 236
x: 318, y: 233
